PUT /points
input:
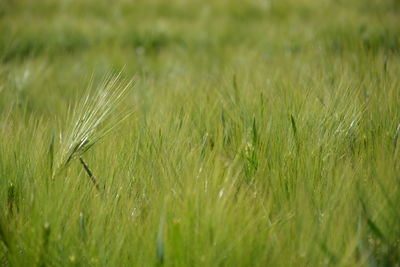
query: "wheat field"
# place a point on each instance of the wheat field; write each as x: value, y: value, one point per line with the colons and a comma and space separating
x: 200, y: 133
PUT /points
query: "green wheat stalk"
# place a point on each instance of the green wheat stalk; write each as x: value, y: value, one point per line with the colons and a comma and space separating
x: 92, y: 119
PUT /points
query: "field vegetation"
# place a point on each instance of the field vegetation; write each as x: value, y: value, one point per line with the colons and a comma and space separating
x: 200, y: 133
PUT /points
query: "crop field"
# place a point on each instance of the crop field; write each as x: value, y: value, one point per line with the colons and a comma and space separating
x: 200, y: 133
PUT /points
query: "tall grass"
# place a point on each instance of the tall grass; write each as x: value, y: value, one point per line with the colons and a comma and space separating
x: 264, y: 133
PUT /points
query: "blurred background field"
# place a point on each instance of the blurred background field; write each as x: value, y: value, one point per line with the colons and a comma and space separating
x: 264, y: 133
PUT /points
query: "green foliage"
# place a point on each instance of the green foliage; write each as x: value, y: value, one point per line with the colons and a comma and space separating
x: 265, y: 133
